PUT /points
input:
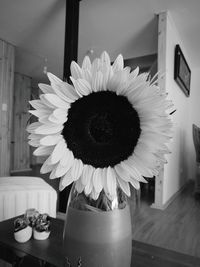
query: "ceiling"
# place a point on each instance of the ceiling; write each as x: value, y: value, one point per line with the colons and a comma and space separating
x: 36, y: 29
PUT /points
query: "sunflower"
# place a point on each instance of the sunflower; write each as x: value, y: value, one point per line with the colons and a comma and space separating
x: 107, y: 129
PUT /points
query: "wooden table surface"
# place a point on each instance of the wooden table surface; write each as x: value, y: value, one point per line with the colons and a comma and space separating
x: 50, y: 252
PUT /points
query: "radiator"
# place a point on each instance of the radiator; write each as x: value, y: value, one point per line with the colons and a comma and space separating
x: 18, y: 193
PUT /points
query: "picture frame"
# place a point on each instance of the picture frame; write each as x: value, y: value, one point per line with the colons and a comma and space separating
x: 182, y: 72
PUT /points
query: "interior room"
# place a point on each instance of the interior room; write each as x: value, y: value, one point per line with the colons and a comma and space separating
x: 162, y: 38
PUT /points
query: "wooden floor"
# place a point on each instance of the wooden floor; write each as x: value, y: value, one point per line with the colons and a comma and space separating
x: 176, y: 228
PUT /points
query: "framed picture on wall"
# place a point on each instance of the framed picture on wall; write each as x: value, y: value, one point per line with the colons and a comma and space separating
x: 182, y: 72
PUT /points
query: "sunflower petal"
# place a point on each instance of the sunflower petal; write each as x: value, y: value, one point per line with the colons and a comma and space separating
x: 76, y: 71
x: 86, y: 63
x: 94, y: 195
x: 118, y: 82
x: 56, y: 101
x: 40, y: 112
x: 65, y: 180
x: 134, y: 74
x: 53, y: 174
x: 33, y: 136
x: 88, y: 188
x: 87, y: 75
x: 34, y: 142
x: 89, y: 185
x: 79, y: 186
x: 37, y: 104
x: 133, y: 172
x: 82, y: 87
x: 44, y: 120
x: 43, y: 151
x: 33, y: 126
x: 45, y: 88
x: 48, y: 129
x: 105, y: 59
x: 121, y: 172
x: 46, y: 102
x: 145, y: 155
x: 118, y: 63
x: 53, y: 78
x: 97, y: 82
x: 66, y: 92
x: 87, y: 174
x: 111, y: 181
x: 47, y: 166
x: 50, y: 140
x: 76, y: 169
x: 124, y: 186
x: 67, y: 157
x: 104, y: 180
x: 96, y: 64
x: 97, y: 180
x: 139, y: 164
x: 62, y: 170
x: 58, y: 151
x: 135, y: 184
x: 59, y: 116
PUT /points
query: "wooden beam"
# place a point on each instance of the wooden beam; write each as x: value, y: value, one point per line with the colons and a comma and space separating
x: 70, y: 53
x: 71, y: 35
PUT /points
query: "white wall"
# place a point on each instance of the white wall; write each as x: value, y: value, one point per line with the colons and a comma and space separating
x: 110, y: 25
x: 181, y: 162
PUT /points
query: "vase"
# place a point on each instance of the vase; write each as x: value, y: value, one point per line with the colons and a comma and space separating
x: 97, y: 232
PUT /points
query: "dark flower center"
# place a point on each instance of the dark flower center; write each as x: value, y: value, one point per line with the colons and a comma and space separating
x: 102, y: 129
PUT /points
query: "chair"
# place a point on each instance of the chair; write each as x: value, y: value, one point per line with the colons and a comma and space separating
x: 196, y: 140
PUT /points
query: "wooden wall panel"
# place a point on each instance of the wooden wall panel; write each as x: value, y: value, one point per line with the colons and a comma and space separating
x: 20, y: 147
x: 6, y: 104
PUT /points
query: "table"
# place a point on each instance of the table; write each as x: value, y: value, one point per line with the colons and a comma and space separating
x: 49, y: 253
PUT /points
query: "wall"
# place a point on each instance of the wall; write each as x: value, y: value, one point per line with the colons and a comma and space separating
x: 178, y: 169
x: 110, y: 25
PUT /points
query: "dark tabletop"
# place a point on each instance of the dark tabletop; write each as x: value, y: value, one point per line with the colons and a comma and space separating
x: 50, y: 253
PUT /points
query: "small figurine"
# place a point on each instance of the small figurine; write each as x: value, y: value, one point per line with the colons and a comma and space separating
x: 41, y: 229
x: 22, y: 230
x: 31, y: 215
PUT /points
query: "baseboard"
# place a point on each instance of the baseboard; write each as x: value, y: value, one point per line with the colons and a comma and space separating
x: 170, y: 200
x: 22, y: 170
x: 159, y: 207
